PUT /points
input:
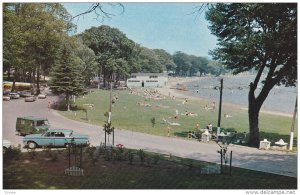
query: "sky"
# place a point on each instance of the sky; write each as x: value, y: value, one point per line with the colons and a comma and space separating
x: 169, y: 26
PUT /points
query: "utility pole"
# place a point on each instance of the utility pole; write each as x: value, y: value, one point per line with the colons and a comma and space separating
x: 110, y: 99
x: 220, y: 108
x: 293, y: 126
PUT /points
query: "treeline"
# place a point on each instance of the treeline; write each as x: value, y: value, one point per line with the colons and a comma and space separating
x: 37, y: 44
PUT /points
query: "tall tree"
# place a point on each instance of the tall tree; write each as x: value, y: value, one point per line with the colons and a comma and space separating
x: 114, y: 51
x: 87, y: 60
x: 38, y: 28
x: 149, y: 61
x: 183, y: 63
x: 66, y: 74
x: 13, y: 42
x: 165, y: 59
x: 261, y: 36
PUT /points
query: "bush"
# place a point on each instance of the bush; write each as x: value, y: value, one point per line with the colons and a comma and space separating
x: 11, y: 153
x: 130, y: 157
x: 32, y: 153
x: 142, y: 155
x: 156, y: 158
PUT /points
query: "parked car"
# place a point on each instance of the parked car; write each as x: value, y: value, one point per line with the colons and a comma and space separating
x: 14, y: 95
x: 6, y: 98
x: 31, y: 98
x: 42, y: 96
x: 30, y: 124
x: 55, y: 138
x: 25, y: 93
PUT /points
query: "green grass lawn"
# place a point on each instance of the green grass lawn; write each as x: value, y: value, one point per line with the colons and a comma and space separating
x: 127, y: 114
x: 45, y: 170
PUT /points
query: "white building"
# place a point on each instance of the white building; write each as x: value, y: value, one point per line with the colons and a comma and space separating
x: 147, y: 80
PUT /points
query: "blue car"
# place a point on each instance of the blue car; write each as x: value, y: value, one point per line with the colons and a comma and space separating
x: 55, y: 138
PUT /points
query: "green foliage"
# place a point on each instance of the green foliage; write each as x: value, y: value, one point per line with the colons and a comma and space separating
x: 11, y: 153
x: 113, y: 49
x: 149, y: 61
x: 174, y: 174
x: 261, y: 37
x: 189, y: 65
x: 130, y: 157
x: 156, y: 159
x: 142, y: 155
x: 33, y: 31
x: 66, y: 74
x: 249, y: 34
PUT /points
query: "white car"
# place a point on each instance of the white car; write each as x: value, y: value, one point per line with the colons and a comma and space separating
x: 42, y: 96
x: 6, y: 98
x: 14, y: 95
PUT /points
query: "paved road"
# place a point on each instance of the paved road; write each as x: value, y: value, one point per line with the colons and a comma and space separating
x: 268, y: 161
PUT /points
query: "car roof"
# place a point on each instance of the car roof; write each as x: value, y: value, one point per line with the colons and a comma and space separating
x: 33, y: 118
x: 60, y: 130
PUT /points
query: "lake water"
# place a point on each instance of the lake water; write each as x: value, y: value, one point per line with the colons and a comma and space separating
x: 235, y: 91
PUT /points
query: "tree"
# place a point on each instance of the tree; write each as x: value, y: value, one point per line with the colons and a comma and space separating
x: 113, y: 50
x: 13, y: 41
x: 260, y: 36
x: 87, y: 60
x: 66, y: 74
x: 165, y: 59
x: 32, y: 32
x: 149, y: 61
x: 183, y: 63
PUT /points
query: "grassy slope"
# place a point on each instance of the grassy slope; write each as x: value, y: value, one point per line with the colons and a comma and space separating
x: 127, y: 114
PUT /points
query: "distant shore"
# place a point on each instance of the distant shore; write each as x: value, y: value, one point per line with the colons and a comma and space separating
x: 171, y: 90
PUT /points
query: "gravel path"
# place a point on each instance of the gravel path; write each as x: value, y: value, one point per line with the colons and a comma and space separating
x: 268, y: 161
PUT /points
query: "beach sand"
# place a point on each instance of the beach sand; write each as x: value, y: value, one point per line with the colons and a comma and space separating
x: 170, y: 90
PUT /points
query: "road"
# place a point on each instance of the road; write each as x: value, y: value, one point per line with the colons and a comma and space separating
x: 268, y: 161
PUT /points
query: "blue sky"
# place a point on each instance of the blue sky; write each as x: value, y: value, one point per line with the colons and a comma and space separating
x: 168, y: 26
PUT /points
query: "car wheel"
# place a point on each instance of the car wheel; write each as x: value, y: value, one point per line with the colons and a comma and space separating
x: 31, y: 145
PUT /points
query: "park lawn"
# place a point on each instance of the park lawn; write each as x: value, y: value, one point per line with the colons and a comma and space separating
x: 127, y: 114
x: 45, y: 170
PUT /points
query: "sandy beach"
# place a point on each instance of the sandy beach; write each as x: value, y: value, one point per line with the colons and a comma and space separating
x: 171, y: 91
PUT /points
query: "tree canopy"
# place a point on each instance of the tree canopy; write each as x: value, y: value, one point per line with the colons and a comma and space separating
x: 114, y: 51
x: 260, y: 36
x: 32, y: 32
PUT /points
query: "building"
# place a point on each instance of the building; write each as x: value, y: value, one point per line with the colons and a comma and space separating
x: 147, y: 80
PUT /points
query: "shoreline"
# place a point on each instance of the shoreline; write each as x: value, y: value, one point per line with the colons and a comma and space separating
x: 170, y: 90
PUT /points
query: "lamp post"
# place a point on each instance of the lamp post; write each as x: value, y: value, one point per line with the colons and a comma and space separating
x: 107, y: 127
x: 220, y: 108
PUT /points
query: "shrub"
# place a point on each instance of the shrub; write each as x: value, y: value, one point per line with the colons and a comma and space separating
x: 32, y: 153
x: 156, y: 158
x: 142, y: 155
x: 130, y: 157
x: 12, y: 153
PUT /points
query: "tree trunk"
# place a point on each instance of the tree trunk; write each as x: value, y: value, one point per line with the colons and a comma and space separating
x: 253, y: 125
x: 13, y: 88
x: 68, y: 101
x: 8, y: 74
x: 38, y: 80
